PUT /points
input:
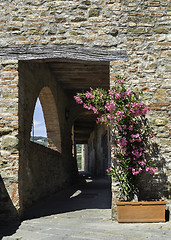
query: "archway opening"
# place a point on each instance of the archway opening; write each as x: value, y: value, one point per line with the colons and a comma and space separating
x: 45, y: 126
x: 39, y: 131
x: 81, y: 155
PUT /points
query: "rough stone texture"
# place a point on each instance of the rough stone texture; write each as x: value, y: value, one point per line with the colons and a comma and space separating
x: 9, y: 143
x: 51, y: 177
x: 8, y: 138
x: 134, y: 36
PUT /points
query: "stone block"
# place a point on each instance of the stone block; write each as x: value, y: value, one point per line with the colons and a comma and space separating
x: 168, y: 67
x: 137, y: 30
x: 86, y: 2
x: 60, y: 20
x: 79, y: 19
x: 160, y: 95
x: 161, y: 30
x: 94, y: 12
x: 5, y: 131
x: 166, y: 142
x: 160, y: 121
x: 9, y: 143
x: 114, y: 32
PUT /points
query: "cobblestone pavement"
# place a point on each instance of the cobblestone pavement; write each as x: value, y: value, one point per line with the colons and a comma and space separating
x: 81, y: 213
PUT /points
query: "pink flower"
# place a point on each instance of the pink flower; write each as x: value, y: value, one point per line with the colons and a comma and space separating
x: 135, y: 135
x: 117, y: 95
x: 97, y: 120
x: 109, y: 116
x: 89, y: 95
x: 102, y: 119
x: 120, y: 113
x: 137, y: 153
x: 130, y: 127
x: 111, y: 93
x: 145, y: 110
x: 120, y: 81
x: 129, y: 93
x: 152, y: 170
x: 124, y: 149
x: 95, y: 110
x: 141, y: 163
x: 109, y: 170
x: 123, y: 142
x: 110, y: 106
x: 85, y: 106
x: 136, y: 172
x: 78, y: 100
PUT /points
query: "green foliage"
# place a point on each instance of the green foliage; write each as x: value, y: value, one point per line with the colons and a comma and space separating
x: 125, y: 111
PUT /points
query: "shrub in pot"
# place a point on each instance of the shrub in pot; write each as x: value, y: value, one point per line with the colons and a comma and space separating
x: 125, y: 110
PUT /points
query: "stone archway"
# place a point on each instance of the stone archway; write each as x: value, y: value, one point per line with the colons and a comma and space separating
x: 51, y: 118
x: 43, y: 170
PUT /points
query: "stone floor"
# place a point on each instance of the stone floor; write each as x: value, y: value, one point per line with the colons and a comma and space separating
x: 82, y: 213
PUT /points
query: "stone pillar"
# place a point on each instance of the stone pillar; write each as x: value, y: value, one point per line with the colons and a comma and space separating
x: 9, y: 154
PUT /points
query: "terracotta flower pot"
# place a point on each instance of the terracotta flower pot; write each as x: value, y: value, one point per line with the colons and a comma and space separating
x: 150, y: 211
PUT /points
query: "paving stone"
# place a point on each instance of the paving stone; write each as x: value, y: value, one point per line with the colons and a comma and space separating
x: 90, y: 223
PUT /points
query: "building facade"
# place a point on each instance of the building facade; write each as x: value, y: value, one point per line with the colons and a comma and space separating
x: 53, y: 49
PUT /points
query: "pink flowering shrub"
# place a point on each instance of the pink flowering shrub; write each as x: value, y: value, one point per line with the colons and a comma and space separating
x: 123, y: 108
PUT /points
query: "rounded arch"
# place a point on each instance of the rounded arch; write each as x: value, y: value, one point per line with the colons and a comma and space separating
x: 51, y: 118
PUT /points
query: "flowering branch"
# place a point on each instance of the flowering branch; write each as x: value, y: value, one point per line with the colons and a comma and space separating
x: 124, y: 109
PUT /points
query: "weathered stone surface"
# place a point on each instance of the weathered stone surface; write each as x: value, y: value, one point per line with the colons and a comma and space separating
x: 114, y: 32
x: 160, y: 95
x: 94, y: 12
x: 168, y: 67
x: 9, y: 143
x: 79, y: 19
x: 163, y: 135
x: 60, y: 20
x: 132, y: 37
x: 137, y: 30
x: 161, y: 30
x: 160, y: 121
x: 86, y: 2
x: 166, y: 142
x: 4, y: 131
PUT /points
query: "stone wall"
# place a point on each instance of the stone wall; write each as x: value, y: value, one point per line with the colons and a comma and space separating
x: 9, y: 154
x: 46, y: 174
x: 147, y: 41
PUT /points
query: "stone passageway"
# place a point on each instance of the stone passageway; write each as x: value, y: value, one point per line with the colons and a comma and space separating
x: 82, y: 212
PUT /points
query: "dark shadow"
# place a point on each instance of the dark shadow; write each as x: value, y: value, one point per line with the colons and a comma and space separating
x: 167, y: 215
x: 9, y: 229
x: 151, y: 186
x: 8, y: 214
x: 88, y: 194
